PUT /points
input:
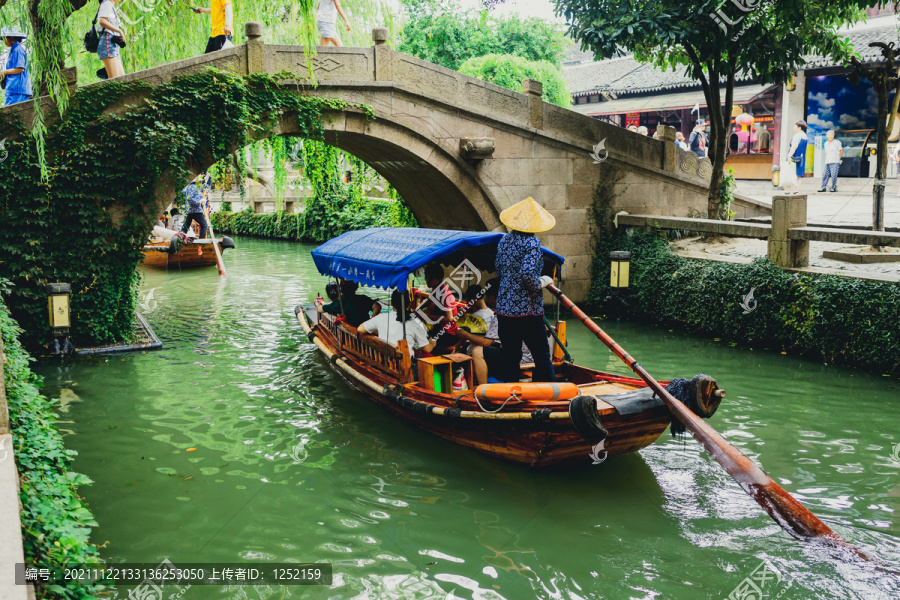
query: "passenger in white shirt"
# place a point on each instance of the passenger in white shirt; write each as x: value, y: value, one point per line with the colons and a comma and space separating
x: 834, y: 151
x: 389, y: 327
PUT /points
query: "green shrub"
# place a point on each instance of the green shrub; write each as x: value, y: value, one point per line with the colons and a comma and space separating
x: 319, y: 221
x: 56, y: 524
x: 841, y: 320
x: 509, y: 71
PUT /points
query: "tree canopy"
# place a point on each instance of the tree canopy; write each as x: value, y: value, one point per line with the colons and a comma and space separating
x: 442, y: 32
x: 765, y: 39
x: 509, y: 72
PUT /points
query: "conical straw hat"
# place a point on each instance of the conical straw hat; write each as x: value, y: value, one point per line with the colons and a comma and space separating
x: 528, y: 216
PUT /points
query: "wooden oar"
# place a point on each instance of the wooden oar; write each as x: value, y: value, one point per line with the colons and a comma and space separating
x: 793, y: 517
x: 220, y: 264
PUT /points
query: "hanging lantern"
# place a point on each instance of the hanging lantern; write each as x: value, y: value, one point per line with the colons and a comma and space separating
x: 744, y: 120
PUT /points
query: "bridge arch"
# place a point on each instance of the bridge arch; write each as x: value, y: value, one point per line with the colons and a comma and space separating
x: 423, y: 116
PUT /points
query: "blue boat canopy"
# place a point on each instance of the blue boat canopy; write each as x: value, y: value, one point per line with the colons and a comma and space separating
x: 385, y: 256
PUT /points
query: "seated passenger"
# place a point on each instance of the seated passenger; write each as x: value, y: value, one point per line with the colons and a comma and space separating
x: 355, y: 307
x: 389, y: 327
x: 476, y: 304
x: 440, y: 307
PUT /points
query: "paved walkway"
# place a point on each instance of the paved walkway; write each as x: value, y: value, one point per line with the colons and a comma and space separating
x: 850, y: 205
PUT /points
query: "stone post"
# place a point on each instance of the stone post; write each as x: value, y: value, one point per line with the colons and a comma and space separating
x: 788, y: 212
x: 666, y: 135
x: 383, y: 58
x: 70, y: 75
x: 534, y: 90
x: 256, y: 48
x: 380, y: 36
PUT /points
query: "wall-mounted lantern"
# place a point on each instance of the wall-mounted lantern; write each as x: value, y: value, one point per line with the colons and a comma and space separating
x: 60, y: 320
x: 621, y: 267
x: 791, y: 84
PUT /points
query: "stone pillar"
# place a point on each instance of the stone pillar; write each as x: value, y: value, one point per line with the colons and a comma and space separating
x: 256, y: 48
x: 70, y: 75
x: 534, y: 90
x: 383, y: 55
x: 792, y: 110
x: 380, y: 36
x: 788, y: 212
x: 666, y: 135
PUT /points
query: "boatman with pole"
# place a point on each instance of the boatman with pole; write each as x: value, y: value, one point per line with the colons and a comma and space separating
x: 520, y: 300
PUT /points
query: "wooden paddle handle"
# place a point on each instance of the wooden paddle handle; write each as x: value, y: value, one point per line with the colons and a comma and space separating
x: 784, y: 509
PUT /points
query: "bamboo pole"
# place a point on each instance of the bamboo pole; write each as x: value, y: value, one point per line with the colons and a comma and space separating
x: 220, y: 264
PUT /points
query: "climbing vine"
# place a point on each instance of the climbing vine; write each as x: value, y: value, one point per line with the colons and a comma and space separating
x: 56, y: 523
x: 111, y: 158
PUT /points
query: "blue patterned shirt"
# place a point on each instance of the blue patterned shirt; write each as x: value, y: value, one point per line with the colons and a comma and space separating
x: 194, y: 198
x: 519, y: 263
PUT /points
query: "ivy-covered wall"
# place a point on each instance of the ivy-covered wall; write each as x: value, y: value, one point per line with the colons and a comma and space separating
x: 85, y: 220
x: 56, y: 524
x: 840, y: 320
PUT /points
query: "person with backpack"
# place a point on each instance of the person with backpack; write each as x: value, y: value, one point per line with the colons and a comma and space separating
x: 221, y: 18
x: 16, y: 82
x: 111, y: 38
x: 697, y: 141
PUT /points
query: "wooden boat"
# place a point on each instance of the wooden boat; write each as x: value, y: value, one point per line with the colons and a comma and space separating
x: 161, y: 254
x: 609, y: 415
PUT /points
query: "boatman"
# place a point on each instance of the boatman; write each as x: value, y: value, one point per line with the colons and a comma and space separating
x: 17, y: 80
x: 194, y: 201
x: 520, y: 301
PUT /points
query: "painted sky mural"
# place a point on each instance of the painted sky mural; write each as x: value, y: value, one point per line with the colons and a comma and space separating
x: 833, y: 103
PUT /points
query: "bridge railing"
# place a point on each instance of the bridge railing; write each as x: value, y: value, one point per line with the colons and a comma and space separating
x: 788, y: 234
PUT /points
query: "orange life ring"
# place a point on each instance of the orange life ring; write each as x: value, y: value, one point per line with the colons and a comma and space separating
x: 533, y: 392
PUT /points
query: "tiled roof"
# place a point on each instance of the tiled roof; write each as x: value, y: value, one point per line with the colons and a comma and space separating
x: 861, y: 40
x: 625, y: 75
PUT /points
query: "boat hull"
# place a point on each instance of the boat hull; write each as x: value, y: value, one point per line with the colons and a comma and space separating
x: 198, y: 254
x: 538, y: 438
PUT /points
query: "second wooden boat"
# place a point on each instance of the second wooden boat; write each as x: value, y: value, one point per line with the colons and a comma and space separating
x: 198, y: 253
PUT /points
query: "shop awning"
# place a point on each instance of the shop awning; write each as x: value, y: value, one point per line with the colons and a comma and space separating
x: 677, y: 101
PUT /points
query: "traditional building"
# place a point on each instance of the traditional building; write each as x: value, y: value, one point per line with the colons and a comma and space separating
x: 624, y: 91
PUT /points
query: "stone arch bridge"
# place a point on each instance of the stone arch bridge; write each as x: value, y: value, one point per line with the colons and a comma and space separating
x: 460, y: 150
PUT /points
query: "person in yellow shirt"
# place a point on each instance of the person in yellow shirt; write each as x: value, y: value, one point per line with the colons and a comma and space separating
x: 221, y: 18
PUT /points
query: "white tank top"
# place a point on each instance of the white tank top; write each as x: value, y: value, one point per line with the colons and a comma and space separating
x: 327, y: 11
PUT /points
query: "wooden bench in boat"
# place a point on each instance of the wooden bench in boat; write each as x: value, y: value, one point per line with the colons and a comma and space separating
x: 391, y: 360
x: 395, y: 361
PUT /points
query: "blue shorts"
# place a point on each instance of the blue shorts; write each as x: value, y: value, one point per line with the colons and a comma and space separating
x: 327, y: 30
x: 15, y: 99
x: 107, y: 49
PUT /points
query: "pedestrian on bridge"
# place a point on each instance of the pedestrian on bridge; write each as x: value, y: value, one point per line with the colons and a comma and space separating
x: 327, y: 22
x: 221, y: 19
x: 111, y: 39
x: 16, y: 81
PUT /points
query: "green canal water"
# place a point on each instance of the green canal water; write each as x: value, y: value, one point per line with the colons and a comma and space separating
x: 237, y: 442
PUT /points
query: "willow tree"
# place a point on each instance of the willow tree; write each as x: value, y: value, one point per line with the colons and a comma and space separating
x: 716, y: 42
